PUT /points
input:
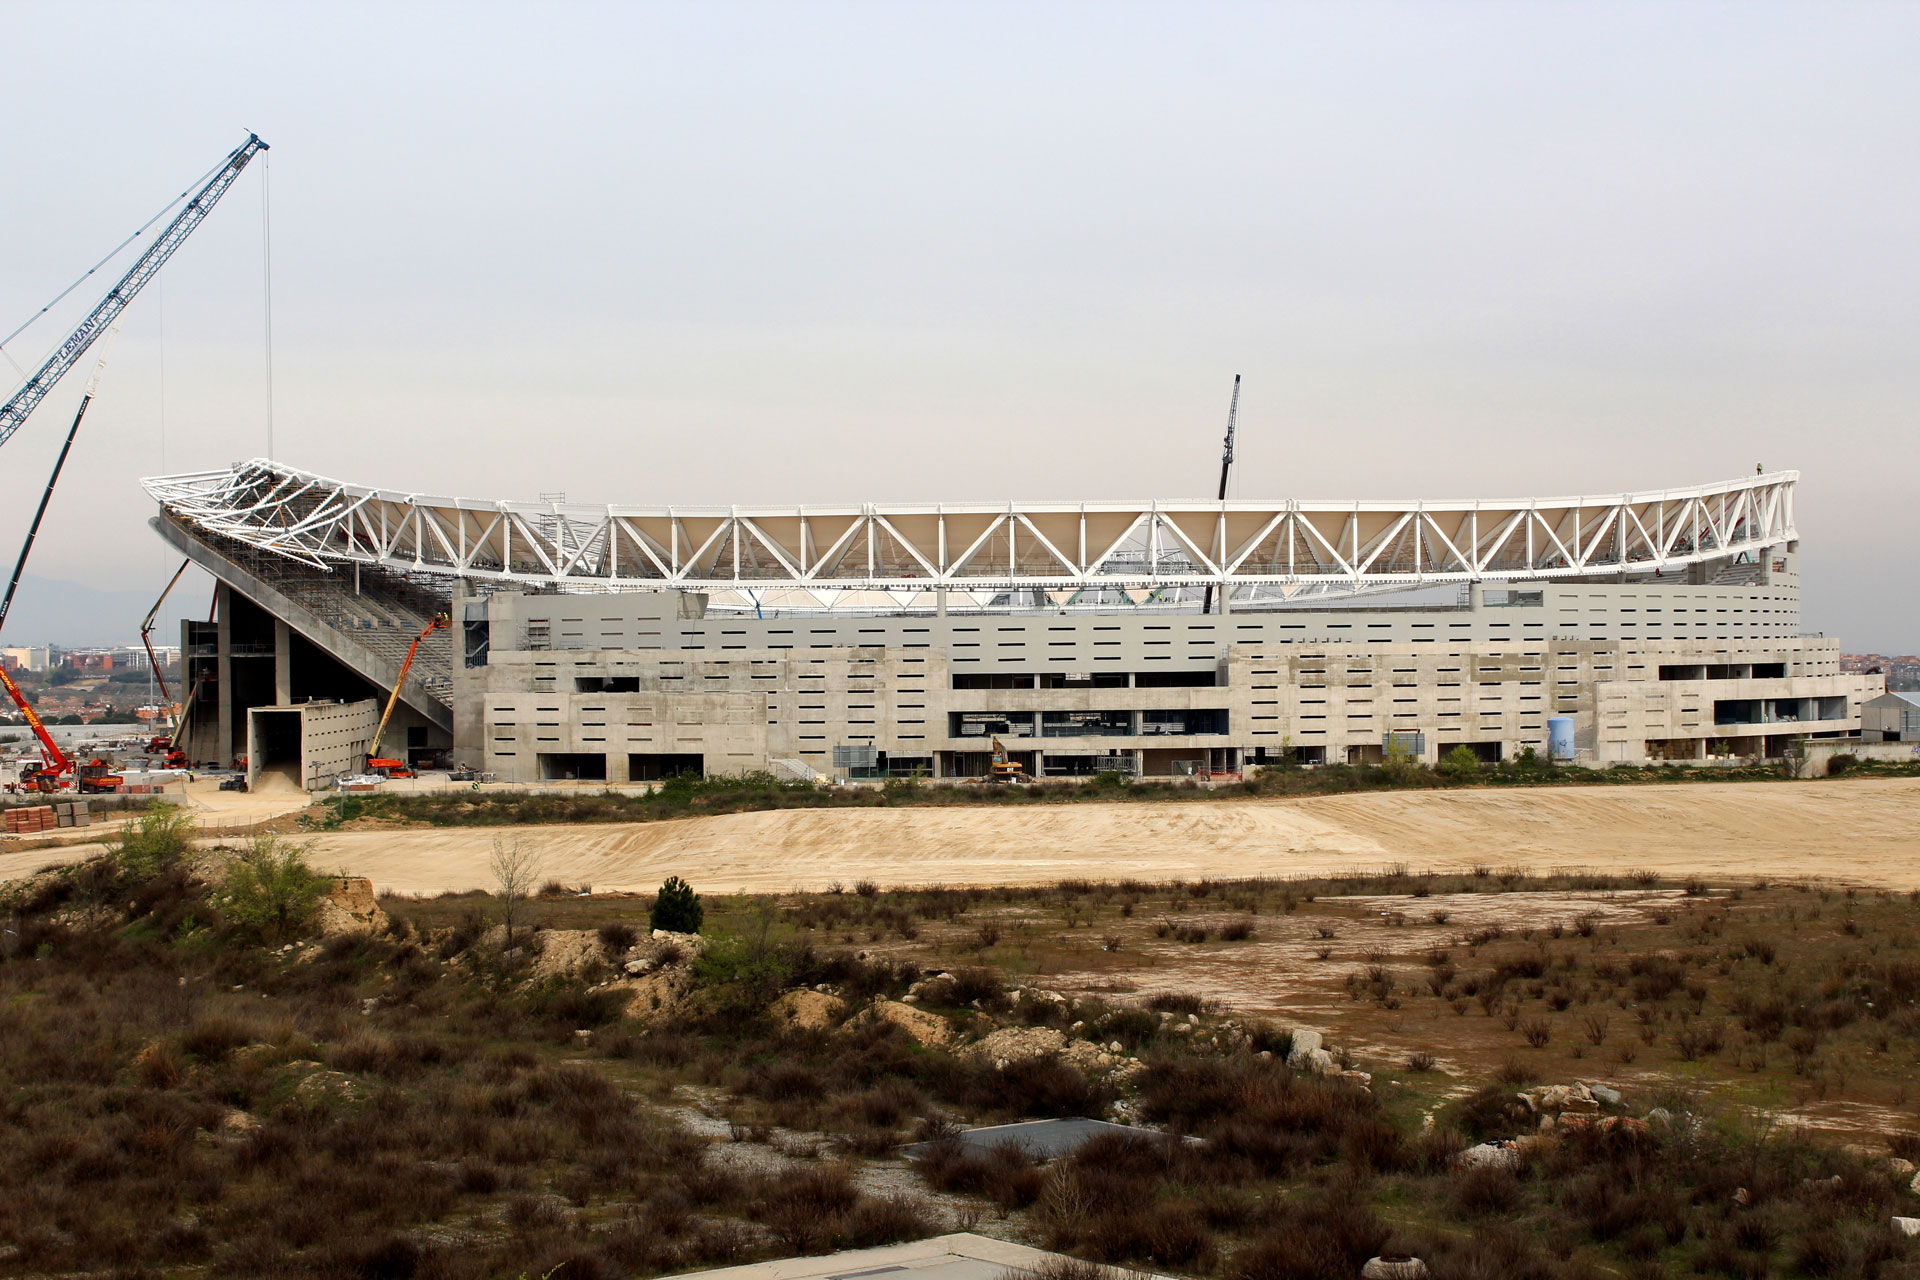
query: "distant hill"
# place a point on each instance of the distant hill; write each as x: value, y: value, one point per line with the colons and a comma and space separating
x: 51, y: 611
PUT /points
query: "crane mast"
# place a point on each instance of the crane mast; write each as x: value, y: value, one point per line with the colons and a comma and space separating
x: 1226, y: 465
x: 58, y: 761
x: 24, y: 401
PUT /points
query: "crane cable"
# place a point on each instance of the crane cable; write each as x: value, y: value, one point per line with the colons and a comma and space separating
x: 266, y: 271
x: 117, y: 249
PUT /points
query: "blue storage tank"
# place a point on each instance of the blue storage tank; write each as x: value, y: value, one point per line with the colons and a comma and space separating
x: 1560, y: 737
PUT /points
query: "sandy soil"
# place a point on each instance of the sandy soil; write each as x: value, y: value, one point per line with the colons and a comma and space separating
x: 1865, y: 832
x: 1859, y: 831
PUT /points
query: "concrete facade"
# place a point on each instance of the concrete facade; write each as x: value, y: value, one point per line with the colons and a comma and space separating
x: 314, y: 743
x: 632, y: 685
x: 1892, y: 717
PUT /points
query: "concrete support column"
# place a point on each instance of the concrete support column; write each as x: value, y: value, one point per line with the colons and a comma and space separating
x: 282, y: 663
x: 223, y: 666
x: 940, y: 603
x: 617, y: 770
x: 1476, y: 596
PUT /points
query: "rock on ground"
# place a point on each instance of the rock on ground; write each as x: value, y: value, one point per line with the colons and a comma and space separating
x: 660, y: 993
x: 1023, y: 1044
x: 349, y: 907
x: 565, y: 952
x: 321, y: 1089
x: 1305, y: 1042
x: 1489, y: 1155
x: 928, y: 1029
x: 808, y: 1010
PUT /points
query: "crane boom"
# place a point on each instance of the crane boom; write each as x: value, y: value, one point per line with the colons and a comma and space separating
x: 57, y: 759
x: 440, y: 623
x: 24, y: 401
x: 33, y: 530
x: 1226, y: 465
x: 146, y: 638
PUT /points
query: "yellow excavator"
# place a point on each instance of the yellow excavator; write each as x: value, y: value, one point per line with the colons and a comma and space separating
x: 1004, y: 768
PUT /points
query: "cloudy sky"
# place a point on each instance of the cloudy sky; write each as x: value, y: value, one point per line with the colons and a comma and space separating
x: 711, y: 253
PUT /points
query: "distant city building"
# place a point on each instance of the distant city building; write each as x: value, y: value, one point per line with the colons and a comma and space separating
x: 1901, y: 671
x: 27, y: 659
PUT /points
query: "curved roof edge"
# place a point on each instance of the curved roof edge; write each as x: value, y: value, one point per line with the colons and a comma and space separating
x: 1273, y: 550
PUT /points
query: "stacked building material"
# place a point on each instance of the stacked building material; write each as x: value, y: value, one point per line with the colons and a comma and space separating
x: 30, y: 820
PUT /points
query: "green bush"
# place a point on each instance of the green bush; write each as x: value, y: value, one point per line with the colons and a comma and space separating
x: 153, y: 843
x: 270, y: 891
x: 1840, y: 762
x: 677, y: 908
x: 1460, y: 762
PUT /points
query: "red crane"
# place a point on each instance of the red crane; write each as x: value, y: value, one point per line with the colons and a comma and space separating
x: 104, y: 319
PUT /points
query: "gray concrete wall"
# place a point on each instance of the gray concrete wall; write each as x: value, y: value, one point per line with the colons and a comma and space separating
x: 333, y: 739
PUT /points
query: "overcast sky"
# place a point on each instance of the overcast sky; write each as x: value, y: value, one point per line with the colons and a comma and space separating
x: 713, y: 253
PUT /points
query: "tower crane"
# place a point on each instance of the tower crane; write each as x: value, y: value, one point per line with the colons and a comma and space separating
x: 94, y: 776
x: 1226, y: 465
x: 24, y: 401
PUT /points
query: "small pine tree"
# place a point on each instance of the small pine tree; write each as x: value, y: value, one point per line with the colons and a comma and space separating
x: 677, y: 909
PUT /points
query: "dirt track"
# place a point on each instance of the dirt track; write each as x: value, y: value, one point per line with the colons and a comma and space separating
x: 1861, y: 831
x: 1866, y: 832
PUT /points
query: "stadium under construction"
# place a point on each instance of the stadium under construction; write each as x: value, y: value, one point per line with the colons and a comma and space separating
x: 1157, y: 639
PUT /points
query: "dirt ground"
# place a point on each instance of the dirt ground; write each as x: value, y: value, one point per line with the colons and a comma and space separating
x: 1865, y: 832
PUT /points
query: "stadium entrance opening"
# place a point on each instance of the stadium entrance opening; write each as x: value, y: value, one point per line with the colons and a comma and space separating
x: 657, y: 766
x: 581, y: 766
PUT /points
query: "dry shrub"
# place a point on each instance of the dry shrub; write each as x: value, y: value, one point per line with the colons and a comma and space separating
x: 784, y: 1082
x: 1043, y: 1086
x: 1004, y: 1174
x: 1108, y: 1199
x: 616, y: 938
x: 1329, y: 1236
x: 1483, y: 1191
x: 813, y: 1210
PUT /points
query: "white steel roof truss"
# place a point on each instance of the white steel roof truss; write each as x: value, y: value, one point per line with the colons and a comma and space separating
x: 1459, y: 560
x: 1193, y: 551
x: 1072, y: 570
x: 538, y: 544
x: 1314, y: 535
x: 830, y: 559
x: 960, y: 562
x: 1129, y: 534
x: 314, y: 519
x: 905, y: 545
x: 652, y: 550
x: 1383, y: 540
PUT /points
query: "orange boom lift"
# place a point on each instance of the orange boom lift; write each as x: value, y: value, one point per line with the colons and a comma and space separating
x: 376, y: 763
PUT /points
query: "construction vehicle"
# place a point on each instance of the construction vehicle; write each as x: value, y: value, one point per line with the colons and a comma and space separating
x: 1004, y: 768
x: 103, y: 319
x: 106, y: 314
x: 97, y: 778
x: 166, y: 746
x: 1226, y: 465
x: 46, y: 777
x: 386, y: 766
